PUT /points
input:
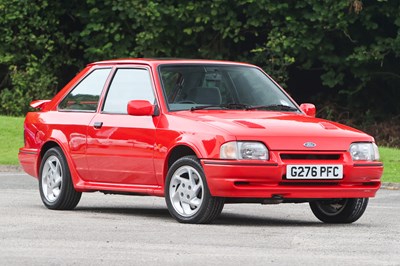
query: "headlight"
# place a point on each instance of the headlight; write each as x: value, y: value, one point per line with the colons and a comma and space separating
x: 244, y: 150
x: 364, y: 151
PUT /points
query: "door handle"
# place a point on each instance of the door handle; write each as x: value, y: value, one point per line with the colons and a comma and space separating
x: 98, y: 124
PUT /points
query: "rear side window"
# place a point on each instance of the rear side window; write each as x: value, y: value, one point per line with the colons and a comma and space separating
x: 85, y: 96
x: 128, y: 84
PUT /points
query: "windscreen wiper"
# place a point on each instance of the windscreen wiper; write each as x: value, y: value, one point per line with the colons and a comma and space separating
x: 201, y: 107
x: 274, y: 107
x: 236, y: 106
x: 223, y: 106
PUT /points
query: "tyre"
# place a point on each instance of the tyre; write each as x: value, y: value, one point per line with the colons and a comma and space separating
x: 187, y: 195
x: 55, y: 184
x: 339, y: 210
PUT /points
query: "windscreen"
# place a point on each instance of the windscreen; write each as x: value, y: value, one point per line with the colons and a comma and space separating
x: 235, y: 87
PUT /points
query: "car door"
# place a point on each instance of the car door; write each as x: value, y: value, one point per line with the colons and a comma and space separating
x: 74, y: 113
x: 120, y: 146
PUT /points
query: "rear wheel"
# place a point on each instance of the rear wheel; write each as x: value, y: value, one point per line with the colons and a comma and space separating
x: 339, y: 210
x: 55, y: 184
x: 187, y: 195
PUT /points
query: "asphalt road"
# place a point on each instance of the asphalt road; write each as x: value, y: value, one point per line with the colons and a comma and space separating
x: 128, y: 230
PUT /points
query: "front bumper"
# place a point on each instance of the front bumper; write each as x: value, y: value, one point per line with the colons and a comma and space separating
x: 238, y: 179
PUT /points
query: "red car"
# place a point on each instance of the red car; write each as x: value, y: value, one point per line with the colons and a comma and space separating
x: 200, y: 133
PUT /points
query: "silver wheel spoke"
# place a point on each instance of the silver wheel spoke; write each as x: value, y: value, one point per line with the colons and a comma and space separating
x: 195, y: 202
x: 58, y: 167
x: 191, y: 178
x: 48, y: 174
x: 52, y: 167
x: 193, y: 192
x: 178, y: 179
x: 55, y: 185
x: 186, y: 208
x: 196, y: 189
x: 56, y: 192
x: 57, y: 181
x: 175, y: 196
x: 49, y: 193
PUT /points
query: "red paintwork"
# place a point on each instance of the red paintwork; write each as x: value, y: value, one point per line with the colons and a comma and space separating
x: 140, y: 108
x: 130, y: 153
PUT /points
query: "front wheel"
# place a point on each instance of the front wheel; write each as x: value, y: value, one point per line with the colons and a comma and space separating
x: 187, y: 195
x: 55, y: 184
x: 339, y: 210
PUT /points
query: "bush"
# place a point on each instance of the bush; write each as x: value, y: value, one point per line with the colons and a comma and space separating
x: 385, y: 131
x: 27, y: 85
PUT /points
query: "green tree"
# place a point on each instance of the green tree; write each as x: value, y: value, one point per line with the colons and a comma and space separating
x: 33, y: 52
x: 344, y: 51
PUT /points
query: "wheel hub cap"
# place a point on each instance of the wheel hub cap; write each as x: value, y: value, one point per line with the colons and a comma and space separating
x: 186, y: 191
x: 51, y: 178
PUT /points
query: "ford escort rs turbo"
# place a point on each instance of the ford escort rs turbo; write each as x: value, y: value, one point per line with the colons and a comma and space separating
x: 200, y: 133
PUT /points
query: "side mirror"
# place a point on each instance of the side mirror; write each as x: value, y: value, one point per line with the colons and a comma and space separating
x: 308, y: 109
x: 140, y: 108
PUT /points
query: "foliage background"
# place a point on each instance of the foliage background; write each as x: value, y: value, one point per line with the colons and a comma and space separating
x: 342, y: 55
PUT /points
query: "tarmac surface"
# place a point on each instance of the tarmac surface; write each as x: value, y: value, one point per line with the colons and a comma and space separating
x: 126, y: 230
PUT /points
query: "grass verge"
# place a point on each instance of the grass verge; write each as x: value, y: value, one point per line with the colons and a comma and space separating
x: 11, y: 139
x: 391, y: 162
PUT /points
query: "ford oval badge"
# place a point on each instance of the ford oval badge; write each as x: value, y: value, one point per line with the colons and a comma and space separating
x: 309, y: 144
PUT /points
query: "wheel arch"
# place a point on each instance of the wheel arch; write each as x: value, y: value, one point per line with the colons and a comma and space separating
x: 174, y: 154
x: 45, y: 147
x: 51, y: 143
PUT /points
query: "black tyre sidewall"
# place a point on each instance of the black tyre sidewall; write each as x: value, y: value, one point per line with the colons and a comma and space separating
x: 198, y: 217
x: 354, y: 209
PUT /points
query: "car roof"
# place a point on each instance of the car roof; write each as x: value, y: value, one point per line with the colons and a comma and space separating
x: 159, y: 61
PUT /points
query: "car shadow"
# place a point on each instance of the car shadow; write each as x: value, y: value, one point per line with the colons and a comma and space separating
x: 152, y: 212
x: 238, y: 219
x: 234, y: 219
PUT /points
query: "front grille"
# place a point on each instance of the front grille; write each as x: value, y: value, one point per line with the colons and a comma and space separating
x: 308, y: 156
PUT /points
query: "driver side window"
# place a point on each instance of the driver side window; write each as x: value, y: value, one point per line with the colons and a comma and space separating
x: 128, y: 84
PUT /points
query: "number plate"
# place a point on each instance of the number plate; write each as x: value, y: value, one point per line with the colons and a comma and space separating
x: 314, y: 171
